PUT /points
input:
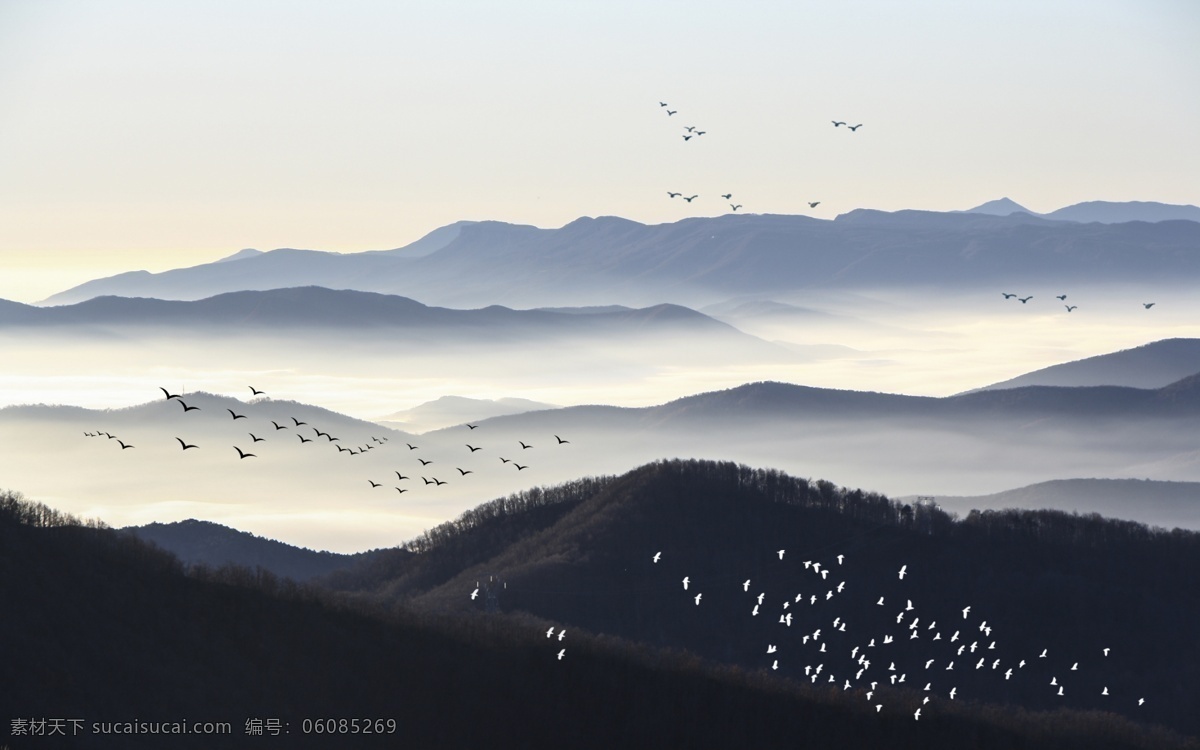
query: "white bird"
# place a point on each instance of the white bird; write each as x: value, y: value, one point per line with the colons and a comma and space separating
x: 953, y: 690
x: 685, y: 583
x: 961, y: 649
x: 1043, y: 654
x: 917, y: 715
x: 980, y: 664
x: 899, y: 617
x: 1075, y: 667
x: 928, y: 685
x: 1022, y: 664
x: 914, y: 635
x: 780, y: 554
x: 950, y: 667
x: 822, y: 648
x: 746, y: 585
x: 937, y: 637
x: 562, y: 634
x: 903, y: 570
x: 698, y: 599
x: 928, y: 663
x: 878, y: 707
x: 1053, y: 680
x: 755, y: 612
x: 871, y: 644
x: 869, y: 694
x: 925, y: 701
x: 474, y: 594
x: 657, y: 556
x: 550, y: 632
x: 561, y: 654
x: 995, y: 664
x: 1008, y: 674
x: 841, y: 586
x: 789, y: 619
x: 840, y: 558
x: 880, y: 602
x: 974, y: 646
x: 1106, y: 652
x: 966, y: 610
x: 982, y: 625
x: 892, y: 667
x: 1060, y: 690
x: 1104, y: 691
x: 887, y: 639
x: 760, y: 597
x: 1141, y: 701
x: 824, y: 574
x: 992, y: 646
x: 775, y: 665
x: 854, y: 652
x: 954, y: 637
x: 808, y: 563
x: 909, y: 606
x: 770, y: 649
x: 828, y: 595
x: 817, y: 634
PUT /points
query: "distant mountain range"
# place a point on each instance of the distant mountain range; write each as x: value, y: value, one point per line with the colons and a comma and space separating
x: 1103, y: 212
x: 699, y: 261
x: 1152, y: 365
x: 452, y: 410
x: 312, y: 309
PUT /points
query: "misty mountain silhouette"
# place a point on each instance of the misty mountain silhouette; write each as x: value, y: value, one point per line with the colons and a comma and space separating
x: 1104, y: 212
x: 610, y: 260
x: 1152, y: 365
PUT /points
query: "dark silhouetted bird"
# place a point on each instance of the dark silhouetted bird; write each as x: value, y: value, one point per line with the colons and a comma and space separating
x: 837, y: 123
x: 560, y: 440
x: 374, y: 483
x: 185, y: 446
x: 235, y: 415
x: 689, y: 200
x: 298, y: 422
x: 437, y: 481
x: 256, y: 438
x: 254, y: 391
x: 727, y: 196
x: 187, y: 408
x: 1070, y: 307
x: 1025, y: 299
x: 411, y: 447
x: 473, y: 448
x: 735, y: 207
x: 400, y: 490
x: 168, y: 394
x: 304, y: 439
x: 400, y: 476
x: 279, y: 426
x: 673, y: 195
x: 504, y: 460
x: 814, y: 204
x: 1148, y: 305
x: 520, y: 467
x: 243, y: 454
x: 671, y: 112
x: 687, y: 138
x: 1007, y: 295
x: 523, y: 445
x: 424, y: 462
x: 464, y: 472
x: 1061, y: 297
x: 854, y: 127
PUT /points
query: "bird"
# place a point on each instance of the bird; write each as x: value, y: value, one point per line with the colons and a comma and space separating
x: 374, y: 483
x: 917, y: 715
x: 401, y: 491
x: 523, y: 445
x: 1061, y: 297
x: 243, y: 454
x: 472, y: 426
x: 504, y: 460
x: 854, y: 127
x: 1104, y: 692
x: 689, y: 128
x: 560, y: 440
x: 673, y: 195
x: 698, y: 599
x: 880, y: 602
x: 279, y: 426
x: 746, y: 585
x: 550, y: 633
x: 657, y: 556
x: 685, y: 583
x: 953, y: 690
x: 735, y: 206
x: 399, y: 476
x: 236, y: 415
x: 561, y: 654
x: 168, y: 394
x: 689, y: 200
x: 426, y: 480
x: 662, y: 104
x: 903, y: 570
x: 185, y: 446
x: 256, y: 438
x: 424, y: 462
x: 1070, y: 307
x: 727, y: 196
x: 1025, y: 299
x: 1148, y: 305
x: 781, y: 554
x: 1043, y: 654
x: 254, y: 391
x: 814, y: 204
x: 304, y: 439
x: 671, y: 112
x: 187, y: 408
x: 966, y: 611
x: 125, y: 445
x: 520, y: 467
x: 464, y: 472
x: 438, y: 482
x: 411, y: 447
x: 298, y: 422
x: 1007, y: 295
x: 1106, y: 652
x: 475, y: 593
x: 837, y: 123
x: 687, y: 138
x: 473, y: 448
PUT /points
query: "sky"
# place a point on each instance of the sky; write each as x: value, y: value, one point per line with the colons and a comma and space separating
x: 151, y: 135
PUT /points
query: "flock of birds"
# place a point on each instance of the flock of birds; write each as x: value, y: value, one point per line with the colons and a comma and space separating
x: 1061, y: 298
x: 280, y: 428
x: 691, y: 131
x: 911, y: 643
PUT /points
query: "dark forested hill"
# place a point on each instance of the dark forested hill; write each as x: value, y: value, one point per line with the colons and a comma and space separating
x: 103, y: 628
x: 582, y: 556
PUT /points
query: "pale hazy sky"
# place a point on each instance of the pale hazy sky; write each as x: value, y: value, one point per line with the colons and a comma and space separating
x: 153, y: 134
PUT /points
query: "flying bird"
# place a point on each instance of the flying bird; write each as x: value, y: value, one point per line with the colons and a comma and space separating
x: 298, y: 422
x: 235, y: 415
x: 727, y: 196
x: 125, y: 445
x: 185, y: 446
x: 852, y: 128
x: 1148, y: 305
x: 1025, y: 299
x: 254, y: 391
x: 698, y: 599
x: 1070, y: 307
x: 401, y: 491
x: 1007, y: 295
x: 673, y: 195
x: 561, y: 654
x: 560, y: 440
x: 304, y: 439
x: 735, y: 206
x: 472, y: 426
x: 1061, y: 297
x: 685, y: 583
x: 464, y: 472
x: 814, y: 204
x: 903, y: 570
x: 689, y: 200
x: 256, y: 438
x: 187, y: 408
x: 475, y: 593
x: 657, y: 556
x: 473, y: 448
x: 168, y: 394
x: 243, y: 454
x: 411, y: 447
x: 424, y: 462
x: 837, y: 123
x: 279, y: 426
x: 671, y: 112
x: 374, y: 483
x: 687, y: 138
x: 520, y: 467
x: 523, y: 445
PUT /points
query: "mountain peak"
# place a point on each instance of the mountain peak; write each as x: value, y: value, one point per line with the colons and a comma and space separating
x: 1000, y: 207
x: 241, y: 255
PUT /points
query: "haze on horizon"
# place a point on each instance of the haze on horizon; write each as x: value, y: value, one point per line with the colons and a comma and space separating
x: 148, y: 136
